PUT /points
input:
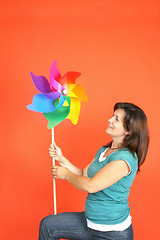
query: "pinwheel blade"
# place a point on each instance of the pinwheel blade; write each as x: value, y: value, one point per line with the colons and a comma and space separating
x: 69, y: 77
x: 76, y: 91
x: 56, y: 85
x: 54, y: 72
x: 57, y: 116
x: 74, y: 110
x: 41, y: 83
x: 44, y: 104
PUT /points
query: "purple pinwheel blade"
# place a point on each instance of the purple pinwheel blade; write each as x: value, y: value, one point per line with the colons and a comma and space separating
x: 41, y: 83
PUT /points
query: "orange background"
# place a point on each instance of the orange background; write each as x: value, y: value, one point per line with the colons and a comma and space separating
x: 116, y: 46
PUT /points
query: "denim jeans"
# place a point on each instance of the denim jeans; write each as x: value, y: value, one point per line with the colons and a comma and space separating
x: 73, y: 226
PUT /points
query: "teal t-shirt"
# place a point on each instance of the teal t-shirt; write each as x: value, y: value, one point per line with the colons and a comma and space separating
x: 110, y: 205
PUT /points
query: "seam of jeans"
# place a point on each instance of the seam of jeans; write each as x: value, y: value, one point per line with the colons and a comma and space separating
x: 73, y: 231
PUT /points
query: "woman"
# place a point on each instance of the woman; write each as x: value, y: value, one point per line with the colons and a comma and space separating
x: 107, y: 179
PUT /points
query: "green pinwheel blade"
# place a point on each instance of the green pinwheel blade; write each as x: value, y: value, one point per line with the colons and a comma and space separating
x: 57, y: 116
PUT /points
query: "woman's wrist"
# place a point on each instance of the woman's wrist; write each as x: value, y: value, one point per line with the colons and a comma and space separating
x: 68, y: 175
x: 63, y: 160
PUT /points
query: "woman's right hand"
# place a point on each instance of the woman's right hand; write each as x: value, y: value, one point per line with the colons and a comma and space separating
x: 56, y: 152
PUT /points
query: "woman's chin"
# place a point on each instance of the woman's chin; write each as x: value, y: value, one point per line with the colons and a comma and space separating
x: 108, y: 131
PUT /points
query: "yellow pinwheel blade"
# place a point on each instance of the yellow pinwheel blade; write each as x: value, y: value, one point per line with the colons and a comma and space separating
x: 75, y: 106
x: 76, y: 91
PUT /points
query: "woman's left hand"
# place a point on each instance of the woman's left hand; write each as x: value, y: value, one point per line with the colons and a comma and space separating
x: 59, y: 172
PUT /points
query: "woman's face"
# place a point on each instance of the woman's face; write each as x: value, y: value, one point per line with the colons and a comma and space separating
x: 116, y: 127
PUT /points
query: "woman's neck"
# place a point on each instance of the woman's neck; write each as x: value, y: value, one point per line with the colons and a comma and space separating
x: 116, y: 145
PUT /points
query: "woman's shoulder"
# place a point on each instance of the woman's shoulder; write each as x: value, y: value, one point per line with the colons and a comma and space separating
x: 125, y: 152
x: 126, y: 155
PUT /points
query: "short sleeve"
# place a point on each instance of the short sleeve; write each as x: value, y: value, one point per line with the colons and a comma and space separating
x: 127, y: 156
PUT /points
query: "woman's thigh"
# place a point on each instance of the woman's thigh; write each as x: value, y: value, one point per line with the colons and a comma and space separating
x: 69, y: 225
x: 113, y: 235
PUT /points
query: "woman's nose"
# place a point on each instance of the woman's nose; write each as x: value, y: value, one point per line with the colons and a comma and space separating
x: 110, y: 120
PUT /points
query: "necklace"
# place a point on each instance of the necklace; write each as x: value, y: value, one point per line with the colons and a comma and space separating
x: 114, y: 148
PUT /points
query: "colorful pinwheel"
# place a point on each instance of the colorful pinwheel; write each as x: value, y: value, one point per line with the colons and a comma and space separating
x: 60, y: 99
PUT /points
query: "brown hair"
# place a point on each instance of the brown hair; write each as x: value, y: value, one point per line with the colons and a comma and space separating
x: 135, y: 122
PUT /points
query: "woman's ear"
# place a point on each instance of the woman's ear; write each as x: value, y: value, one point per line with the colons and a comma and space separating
x: 126, y: 133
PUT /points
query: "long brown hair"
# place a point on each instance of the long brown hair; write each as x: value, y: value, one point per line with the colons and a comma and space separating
x: 135, y: 122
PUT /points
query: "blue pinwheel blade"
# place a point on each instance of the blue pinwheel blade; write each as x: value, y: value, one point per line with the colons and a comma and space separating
x: 42, y: 103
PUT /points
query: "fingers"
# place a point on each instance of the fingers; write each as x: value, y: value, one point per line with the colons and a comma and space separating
x: 52, y: 151
x: 54, y: 171
x: 56, y: 150
x: 53, y: 145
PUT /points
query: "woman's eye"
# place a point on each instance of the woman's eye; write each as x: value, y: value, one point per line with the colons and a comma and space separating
x: 117, y: 119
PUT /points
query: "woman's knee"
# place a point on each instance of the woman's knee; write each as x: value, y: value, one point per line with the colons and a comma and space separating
x: 48, y: 221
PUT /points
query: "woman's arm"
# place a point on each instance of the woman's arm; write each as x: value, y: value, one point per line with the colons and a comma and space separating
x: 107, y: 176
x: 64, y: 162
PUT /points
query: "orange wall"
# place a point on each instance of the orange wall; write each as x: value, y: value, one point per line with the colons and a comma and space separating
x: 116, y: 46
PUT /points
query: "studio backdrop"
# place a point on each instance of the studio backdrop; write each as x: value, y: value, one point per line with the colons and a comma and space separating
x: 116, y: 47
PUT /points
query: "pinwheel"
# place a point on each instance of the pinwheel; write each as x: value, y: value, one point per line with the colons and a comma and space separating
x: 59, y: 98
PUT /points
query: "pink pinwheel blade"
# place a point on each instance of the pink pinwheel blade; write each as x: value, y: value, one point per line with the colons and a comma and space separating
x: 54, y: 72
x: 56, y: 85
x: 41, y: 83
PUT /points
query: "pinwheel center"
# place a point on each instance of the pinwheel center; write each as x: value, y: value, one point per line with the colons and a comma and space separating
x: 65, y: 92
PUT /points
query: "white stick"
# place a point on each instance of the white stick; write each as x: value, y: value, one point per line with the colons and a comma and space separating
x: 54, y: 181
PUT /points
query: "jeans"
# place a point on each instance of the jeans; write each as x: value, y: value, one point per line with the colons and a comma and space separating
x: 73, y: 226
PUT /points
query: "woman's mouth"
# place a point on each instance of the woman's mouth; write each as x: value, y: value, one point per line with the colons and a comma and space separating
x: 110, y: 126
